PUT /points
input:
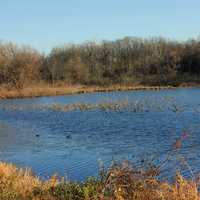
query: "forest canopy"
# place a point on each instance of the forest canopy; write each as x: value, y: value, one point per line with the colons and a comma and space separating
x: 131, y: 60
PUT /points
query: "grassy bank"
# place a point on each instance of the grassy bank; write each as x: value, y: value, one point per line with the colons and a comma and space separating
x: 120, y: 182
x: 48, y: 90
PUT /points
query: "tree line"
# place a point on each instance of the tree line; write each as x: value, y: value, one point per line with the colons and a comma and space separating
x: 152, y: 61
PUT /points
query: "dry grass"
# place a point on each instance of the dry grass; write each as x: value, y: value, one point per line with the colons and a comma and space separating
x: 132, y: 184
x: 48, y: 90
x: 121, y: 182
x: 21, y: 184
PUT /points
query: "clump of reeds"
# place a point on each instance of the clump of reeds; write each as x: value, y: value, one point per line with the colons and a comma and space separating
x: 145, y: 105
x: 127, y: 183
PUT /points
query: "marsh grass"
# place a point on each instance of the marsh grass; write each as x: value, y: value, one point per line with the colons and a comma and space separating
x: 144, y: 105
x: 122, y: 181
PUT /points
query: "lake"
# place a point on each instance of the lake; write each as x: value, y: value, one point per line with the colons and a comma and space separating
x: 72, y: 144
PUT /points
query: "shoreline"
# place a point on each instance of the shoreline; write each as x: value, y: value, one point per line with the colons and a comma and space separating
x: 46, y: 90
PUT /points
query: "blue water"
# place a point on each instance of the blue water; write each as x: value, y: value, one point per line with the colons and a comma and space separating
x: 73, y: 143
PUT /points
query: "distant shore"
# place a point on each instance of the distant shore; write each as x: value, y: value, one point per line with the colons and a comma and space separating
x: 48, y: 90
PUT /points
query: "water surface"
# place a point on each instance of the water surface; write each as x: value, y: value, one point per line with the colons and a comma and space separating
x: 72, y: 143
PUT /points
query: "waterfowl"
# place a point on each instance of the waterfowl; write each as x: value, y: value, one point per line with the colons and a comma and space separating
x: 68, y: 136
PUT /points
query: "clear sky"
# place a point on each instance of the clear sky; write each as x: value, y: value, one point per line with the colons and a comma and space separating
x: 47, y: 23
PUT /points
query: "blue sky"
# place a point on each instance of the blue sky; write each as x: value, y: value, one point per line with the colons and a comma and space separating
x: 47, y: 23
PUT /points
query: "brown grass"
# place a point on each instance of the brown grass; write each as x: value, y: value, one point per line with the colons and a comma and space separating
x: 48, y: 90
x: 20, y: 183
x: 121, y: 182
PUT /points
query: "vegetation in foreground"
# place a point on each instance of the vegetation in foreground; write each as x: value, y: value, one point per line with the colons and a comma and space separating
x: 122, y: 181
x: 129, y: 62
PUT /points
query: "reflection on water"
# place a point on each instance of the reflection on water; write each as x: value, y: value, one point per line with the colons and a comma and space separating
x: 72, y: 143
